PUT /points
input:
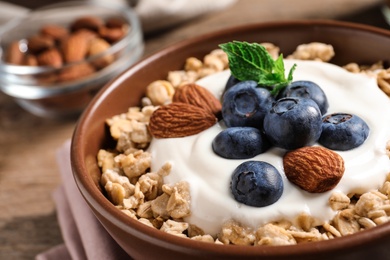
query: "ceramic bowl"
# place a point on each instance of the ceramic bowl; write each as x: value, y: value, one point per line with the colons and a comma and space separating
x: 50, y: 91
x: 352, y: 43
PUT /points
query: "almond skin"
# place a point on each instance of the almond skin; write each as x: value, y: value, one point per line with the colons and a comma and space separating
x: 75, y: 72
x: 38, y: 43
x: 313, y: 169
x: 96, y: 47
x: 55, y: 32
x: 198, y: 96
x: 87, y: 22
x: 180, y: 120
x: 112, y: 34
x: 13, y: 54
x: 51, y: 57
x: 75, y: 48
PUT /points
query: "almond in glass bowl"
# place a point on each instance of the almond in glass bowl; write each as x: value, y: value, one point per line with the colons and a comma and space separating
x: 54, y: 59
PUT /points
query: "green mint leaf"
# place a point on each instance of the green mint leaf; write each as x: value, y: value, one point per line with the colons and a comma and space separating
x: 248, y: 60
x: 251, y: 61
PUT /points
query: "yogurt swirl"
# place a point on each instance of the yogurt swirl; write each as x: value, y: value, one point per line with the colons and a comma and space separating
x: 212, y: 203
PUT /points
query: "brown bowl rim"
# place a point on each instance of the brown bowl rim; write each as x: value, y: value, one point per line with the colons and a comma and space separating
x: 93, y: 196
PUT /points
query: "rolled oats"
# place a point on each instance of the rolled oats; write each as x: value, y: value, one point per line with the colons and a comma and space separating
x: 221, y: 55
x: 204, y: 238
x: 272, y: 49
x: 331, y: 229
x: 160, y: 92
x: 313, y: 51
x: 213, y: 62
x: 306, y: 222
x: 159, y: 206
x: 345, y: 222
x: 105, y: 160
x: 134, y: 164
x: 234, y: 233
x: 145, y: 210
x: 271, y: 234
x: 146, y: 222
x: 368, y: 202
x: 306, y: 236
x: 193, y: 64
x: 178, y: 205
x: 181, y: 77
x: 366, y: 223
x: 174, y: 227
x: 135, y: 200
x: 339, y: 201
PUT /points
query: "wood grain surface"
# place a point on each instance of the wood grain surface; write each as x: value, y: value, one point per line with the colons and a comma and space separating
x: 28, y: 170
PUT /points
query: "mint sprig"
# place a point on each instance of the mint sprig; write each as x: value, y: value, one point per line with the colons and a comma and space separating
x: 251, y: 61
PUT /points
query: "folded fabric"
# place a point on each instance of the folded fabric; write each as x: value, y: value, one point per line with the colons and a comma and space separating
x: 84, y: 237
x: 153, y: 14
x: 159, y: 14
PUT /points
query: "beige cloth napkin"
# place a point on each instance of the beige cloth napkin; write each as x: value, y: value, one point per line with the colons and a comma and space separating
x: 153, y: 14
x: 84, y: 237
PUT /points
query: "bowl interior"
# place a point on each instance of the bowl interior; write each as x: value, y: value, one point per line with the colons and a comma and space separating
x: 351, y: 42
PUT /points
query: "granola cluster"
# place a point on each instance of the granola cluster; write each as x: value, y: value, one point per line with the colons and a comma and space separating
x: 143, y: 196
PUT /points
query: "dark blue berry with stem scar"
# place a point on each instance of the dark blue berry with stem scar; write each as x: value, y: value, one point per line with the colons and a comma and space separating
x: 240, y: 143
x: 293, y: 122
x: 343, y: 131
x: 246, y: 105
x: 307, y: 89
x: 231, y: 82
x: 256, y: 183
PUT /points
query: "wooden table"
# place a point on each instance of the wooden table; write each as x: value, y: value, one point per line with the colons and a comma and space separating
x: 28, y: 170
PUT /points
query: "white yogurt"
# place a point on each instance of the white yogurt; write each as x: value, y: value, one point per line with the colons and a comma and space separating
x: 209, y: 175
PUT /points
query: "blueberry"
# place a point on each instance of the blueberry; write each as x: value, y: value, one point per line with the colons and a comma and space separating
x: 342, y: 131
x: 240, y: 143
x: 256, y: 183
x: 293, y: 122
x: 307, y: 89
x: 245, y: 104
x: 231, y: 82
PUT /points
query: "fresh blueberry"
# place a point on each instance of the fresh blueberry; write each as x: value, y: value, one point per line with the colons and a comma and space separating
x: 342, y: 131
x: 293, y: 122
x: 245, y: 104
x: 240, y: 143
x: 256, y: 183
x: 231, y: 82
x: 307, y: 89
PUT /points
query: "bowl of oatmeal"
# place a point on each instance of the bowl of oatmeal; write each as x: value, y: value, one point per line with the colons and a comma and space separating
x: 145, y: 161
x: 54, y: 59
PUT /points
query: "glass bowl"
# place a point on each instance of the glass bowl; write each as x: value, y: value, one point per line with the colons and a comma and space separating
x: 57, y: 91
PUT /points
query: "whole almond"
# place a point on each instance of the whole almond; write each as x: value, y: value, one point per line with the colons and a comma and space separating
x: 51, y: 57
x: 180, y: 120
x: 75, y: 47
x: 30, y: 60
x: 198, y: 96
x: 112, y: 34
x: 38, y: 43
x: 14, y: 55
x: 87, y: 22
x: 96, y: 47
x: 55, y: 32
x: 116, y: 22
x: 75, y: 72
x: 313, y: 169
